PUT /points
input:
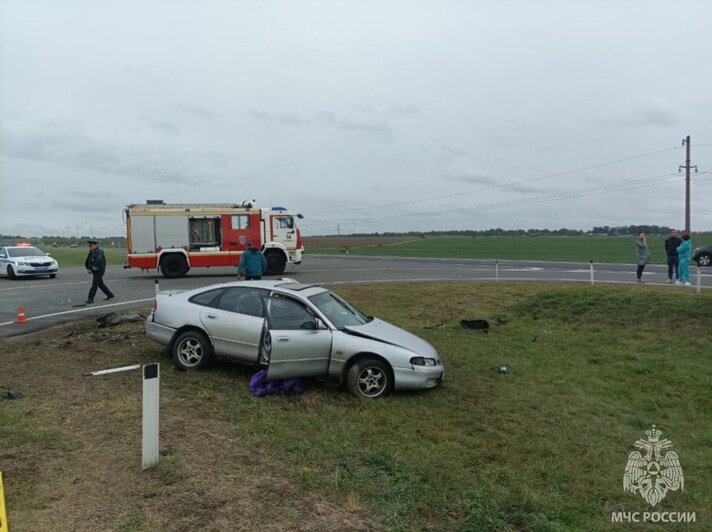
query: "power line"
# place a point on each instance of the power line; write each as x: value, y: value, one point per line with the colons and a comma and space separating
x: 513, y: 183
x: 571, y: 194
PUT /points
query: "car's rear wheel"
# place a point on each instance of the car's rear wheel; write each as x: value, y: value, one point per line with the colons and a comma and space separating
x: 11, y: 273
x: 192, y: 350
x: 704, y: 260
x: 369, y: 378
x: 174, y: 266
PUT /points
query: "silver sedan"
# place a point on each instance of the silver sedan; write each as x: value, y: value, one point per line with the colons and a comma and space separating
x: 294, y: 330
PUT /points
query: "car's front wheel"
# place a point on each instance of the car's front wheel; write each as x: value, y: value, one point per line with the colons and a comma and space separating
x: 704, y: 260
x: 11, y: 273
x: 369, y: 378
x: 192, y: 350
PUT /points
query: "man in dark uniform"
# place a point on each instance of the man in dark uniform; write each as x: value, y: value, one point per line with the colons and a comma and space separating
x: 96, y: 265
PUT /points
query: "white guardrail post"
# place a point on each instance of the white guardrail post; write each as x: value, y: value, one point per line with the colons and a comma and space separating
x: 150, y: 407
x: 591, y: 265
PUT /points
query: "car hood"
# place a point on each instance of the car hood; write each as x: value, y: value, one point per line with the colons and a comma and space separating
x: 32, y: 258
x: 385, y: 332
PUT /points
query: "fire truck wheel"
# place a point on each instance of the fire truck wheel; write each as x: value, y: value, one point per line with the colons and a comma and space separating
x: 174, y: 266
x: 275, y: 263
x: 192, y: 350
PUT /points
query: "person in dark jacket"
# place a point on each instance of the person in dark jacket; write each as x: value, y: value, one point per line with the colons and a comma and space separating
x: 673, y: 261
x: 252, y: 264
x: 96, y: 266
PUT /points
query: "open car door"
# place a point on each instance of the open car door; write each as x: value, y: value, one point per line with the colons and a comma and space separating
x: 296, y: 342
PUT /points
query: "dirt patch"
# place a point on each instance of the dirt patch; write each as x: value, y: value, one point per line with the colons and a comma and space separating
x: 316, y: 242
x: 71, y: 449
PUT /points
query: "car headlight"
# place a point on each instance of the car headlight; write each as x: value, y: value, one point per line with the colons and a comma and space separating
x: 23, y: 263
x: 422, y: 361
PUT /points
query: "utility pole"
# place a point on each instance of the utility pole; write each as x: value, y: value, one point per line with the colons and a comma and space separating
x: 687, y: 167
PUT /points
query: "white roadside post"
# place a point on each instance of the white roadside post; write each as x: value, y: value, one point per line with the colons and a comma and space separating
x: 150, y: 405
x: 151, y: 389
x: 699, y: 278
x: 496, y: 270
x: 591, y: 265
x: 157, y: 289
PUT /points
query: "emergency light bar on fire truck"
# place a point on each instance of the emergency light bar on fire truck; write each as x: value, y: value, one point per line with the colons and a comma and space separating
x: 174, y: 238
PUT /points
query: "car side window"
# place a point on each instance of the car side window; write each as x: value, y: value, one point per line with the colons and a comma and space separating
x: 2, y: 253
x: 243, y: 301
x: 285, y: 315
x: 207, y: 299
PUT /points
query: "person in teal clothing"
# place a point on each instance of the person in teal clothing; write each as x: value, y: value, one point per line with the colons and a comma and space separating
x: 252, y: 264
x: 684, y: 251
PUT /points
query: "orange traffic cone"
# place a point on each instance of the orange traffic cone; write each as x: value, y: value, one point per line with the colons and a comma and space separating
x: 21, y: 318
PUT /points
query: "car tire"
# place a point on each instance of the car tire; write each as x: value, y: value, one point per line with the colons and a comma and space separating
x: 192, y: 350
x: 52, y: 275
x: 275, y: 263
x: 369, y: 378
x: 11, y: 273
x: 174, y: 266
x: 705, y: 259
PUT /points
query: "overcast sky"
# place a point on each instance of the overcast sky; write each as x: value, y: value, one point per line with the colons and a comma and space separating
x: 373, y: 116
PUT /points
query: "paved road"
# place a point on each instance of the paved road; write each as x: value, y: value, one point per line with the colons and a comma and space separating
x: 51, y: 301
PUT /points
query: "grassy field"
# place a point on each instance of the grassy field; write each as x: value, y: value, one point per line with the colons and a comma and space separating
x: 555, y: 248
x: 76, y: 256
x: 541, y: 448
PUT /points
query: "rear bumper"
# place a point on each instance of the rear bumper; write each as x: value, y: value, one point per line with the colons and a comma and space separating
x: 418, y: 378
x: 159, y: 333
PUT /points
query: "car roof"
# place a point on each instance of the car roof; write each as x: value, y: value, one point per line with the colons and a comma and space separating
x: 279, y: 285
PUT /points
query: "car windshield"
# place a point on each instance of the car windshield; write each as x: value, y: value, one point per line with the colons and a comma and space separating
x: 338, y: 311
x: 25, y: 252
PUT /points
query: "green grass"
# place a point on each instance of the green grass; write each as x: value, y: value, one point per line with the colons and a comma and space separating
x: 76, y: 256
x: 554, y: 248
x: 541, y: 448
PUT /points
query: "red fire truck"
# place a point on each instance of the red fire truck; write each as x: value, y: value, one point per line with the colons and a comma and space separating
x: 174, y: 238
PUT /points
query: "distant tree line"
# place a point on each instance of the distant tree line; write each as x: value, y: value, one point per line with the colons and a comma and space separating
x: 63, y: 241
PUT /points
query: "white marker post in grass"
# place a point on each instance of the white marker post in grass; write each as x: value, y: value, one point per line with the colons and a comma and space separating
x: 157, y: 289
x: 699, y: 279
x: 151, y: 388
x: 150, y: 403
x: 496, y: 270
x: 591, y: 272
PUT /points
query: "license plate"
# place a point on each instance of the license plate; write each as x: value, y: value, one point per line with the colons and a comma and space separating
x: 41, y: 269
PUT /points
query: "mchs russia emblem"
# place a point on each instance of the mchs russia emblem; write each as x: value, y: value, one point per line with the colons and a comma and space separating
x: 649, y: 472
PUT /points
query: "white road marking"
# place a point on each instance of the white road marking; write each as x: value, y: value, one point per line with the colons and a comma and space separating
x: 80, y: 310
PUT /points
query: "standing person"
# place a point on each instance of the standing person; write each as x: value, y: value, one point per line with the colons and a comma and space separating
x: 684, y: 252
x: 642, y: 255
x: 96, y: 265
x: 673, y: 261
x: 252, y: 264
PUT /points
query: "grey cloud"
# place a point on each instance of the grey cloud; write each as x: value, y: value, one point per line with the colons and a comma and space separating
x: 165, y: 127
x: 471, y: 179
x: 650, y: 111
x: 404, y: 110
x: 194, y: 110
x: 71, y: 147
x: 325, y: 119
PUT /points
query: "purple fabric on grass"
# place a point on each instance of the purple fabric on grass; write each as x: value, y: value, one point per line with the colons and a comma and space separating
x: 260, y: 386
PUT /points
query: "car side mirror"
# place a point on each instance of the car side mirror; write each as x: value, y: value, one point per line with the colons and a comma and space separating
x: 320, y: 325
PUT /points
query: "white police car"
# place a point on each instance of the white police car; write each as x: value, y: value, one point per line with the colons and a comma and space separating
x: 25, y: 260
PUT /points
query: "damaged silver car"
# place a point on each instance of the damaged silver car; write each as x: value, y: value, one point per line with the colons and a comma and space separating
x: 295, y: 331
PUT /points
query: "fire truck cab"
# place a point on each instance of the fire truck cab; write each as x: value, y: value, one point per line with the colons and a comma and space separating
x: 174, y: 238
